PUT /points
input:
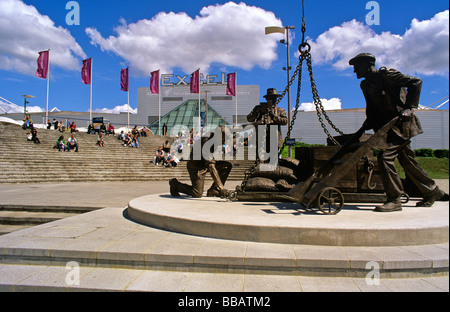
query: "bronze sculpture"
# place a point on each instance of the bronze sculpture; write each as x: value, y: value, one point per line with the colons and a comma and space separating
x: 389, y: 94
x: 199, y: 165
x: 267, y: 113
x: 281, y: 176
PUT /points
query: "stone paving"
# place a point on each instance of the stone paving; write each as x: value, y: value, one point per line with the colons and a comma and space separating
x: 115, y: 253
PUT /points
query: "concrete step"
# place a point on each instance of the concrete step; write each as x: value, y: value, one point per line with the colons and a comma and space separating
x: 99, y: 179
x: 40, y: 163
x: 7, y: 228
x: 275, y: 291
x: 31, y: 218
x: 107, y: 238
x: 47, y: 208
x: 18, y: 217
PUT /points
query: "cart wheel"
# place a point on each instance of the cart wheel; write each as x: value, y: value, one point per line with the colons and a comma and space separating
x: 405, y: 198
x: 330, y: 201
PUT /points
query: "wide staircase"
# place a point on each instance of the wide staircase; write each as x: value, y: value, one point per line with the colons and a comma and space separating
x: 23, y: 161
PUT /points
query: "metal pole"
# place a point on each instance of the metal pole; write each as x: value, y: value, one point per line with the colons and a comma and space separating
x: 48, y: 82
x: 128, y: 100
x: 235, y: 98
x: 289, y: 87
x: 206, y: 114
x: 159, y: 113
x: 159, y: 106
x: 90, y: 95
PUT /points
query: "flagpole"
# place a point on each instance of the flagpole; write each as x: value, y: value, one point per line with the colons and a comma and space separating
x: 90, y: 100
x: 159, y: 114
x: 128, y: 99
x: 48, y: 80
x: 235, y: 97
x: 159, y: 107
x: 199, y: 107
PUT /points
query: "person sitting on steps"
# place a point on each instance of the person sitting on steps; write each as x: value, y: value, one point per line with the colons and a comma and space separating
x: 72, y: 143
x: 61, y: 144
x: 159, y: 156
x: 100, y: 140
x: 34, y: 137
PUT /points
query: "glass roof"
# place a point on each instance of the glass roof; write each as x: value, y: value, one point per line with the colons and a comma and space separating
x: 183, y: 117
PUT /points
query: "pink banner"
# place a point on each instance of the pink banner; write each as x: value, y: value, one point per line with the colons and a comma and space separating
x: 154, y: 82
x: 42, y: 62
x: 124, y: 79
x: 231, y: 84
x: 195, y: 81
x: 86, y: 71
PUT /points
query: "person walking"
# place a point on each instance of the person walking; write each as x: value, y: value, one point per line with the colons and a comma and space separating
x: 390, y: 94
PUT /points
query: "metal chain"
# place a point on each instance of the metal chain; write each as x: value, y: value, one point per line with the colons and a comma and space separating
x: 303, y: 22
x: 298, y: 72
x: 249, y: 172
x: 318, y: 103
x: 304, y: 55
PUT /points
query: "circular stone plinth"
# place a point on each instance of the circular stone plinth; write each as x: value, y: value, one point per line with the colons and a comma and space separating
x: 290, y: 223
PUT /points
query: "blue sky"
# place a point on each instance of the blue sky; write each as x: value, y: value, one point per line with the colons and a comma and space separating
x: 215, y: 36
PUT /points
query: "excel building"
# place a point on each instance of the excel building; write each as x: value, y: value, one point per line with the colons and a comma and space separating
x: 178, y: 106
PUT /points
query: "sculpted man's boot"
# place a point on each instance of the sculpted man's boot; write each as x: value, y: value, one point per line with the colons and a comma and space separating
x: 173, y: 187
x: 390, y: 205
x: 436, y: 195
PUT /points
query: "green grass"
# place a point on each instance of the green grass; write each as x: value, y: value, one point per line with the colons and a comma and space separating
x: 285, y: 152
x: 437, y: 168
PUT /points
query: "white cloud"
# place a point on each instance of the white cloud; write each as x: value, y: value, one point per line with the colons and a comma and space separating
x: 116, y: 110
x: 24, y: 32
x: 230, y: 34
x: 11, y: 108
x: 331, y: 104
x: 422, y: 49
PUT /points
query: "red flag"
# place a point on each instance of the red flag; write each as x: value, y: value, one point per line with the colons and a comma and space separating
x: 231, y: 84
x: 154, y: 82
x: 42, y: 62
x: 195, y: 81
x: 124, y: 79
x: 86, y: 71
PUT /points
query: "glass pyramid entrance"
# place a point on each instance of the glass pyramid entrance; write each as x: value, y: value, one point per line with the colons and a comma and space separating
x: 183, y: 117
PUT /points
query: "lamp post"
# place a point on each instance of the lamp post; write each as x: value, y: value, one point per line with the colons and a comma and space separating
x: 25, y: 97
x: 285, y: 30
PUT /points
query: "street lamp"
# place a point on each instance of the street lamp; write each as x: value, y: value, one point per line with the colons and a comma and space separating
x: 25, y: 97
x: 285, y: 30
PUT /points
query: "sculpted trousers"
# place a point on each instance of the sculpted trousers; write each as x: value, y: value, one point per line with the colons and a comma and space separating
x: 197, y: 174
x: 400, y: 149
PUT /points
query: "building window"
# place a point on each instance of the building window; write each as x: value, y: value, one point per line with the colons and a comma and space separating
x: 221, y: 98
x: 172, y: 99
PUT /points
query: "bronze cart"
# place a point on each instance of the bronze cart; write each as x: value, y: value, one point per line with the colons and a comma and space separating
x: 329, y: 174
x: 321, y: 189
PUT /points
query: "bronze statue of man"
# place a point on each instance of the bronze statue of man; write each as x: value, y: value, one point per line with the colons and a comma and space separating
x: 389, y: 94
x: 198, y: 168
x: 268, y: 114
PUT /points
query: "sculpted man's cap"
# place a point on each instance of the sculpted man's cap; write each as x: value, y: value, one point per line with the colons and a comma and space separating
x: 362, y: 57
x: 271, y: 92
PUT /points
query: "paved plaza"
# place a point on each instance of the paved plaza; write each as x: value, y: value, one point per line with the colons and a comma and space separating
x: 105, y: 250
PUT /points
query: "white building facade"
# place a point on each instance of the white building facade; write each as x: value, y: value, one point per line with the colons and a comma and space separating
x: 175, y: 90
